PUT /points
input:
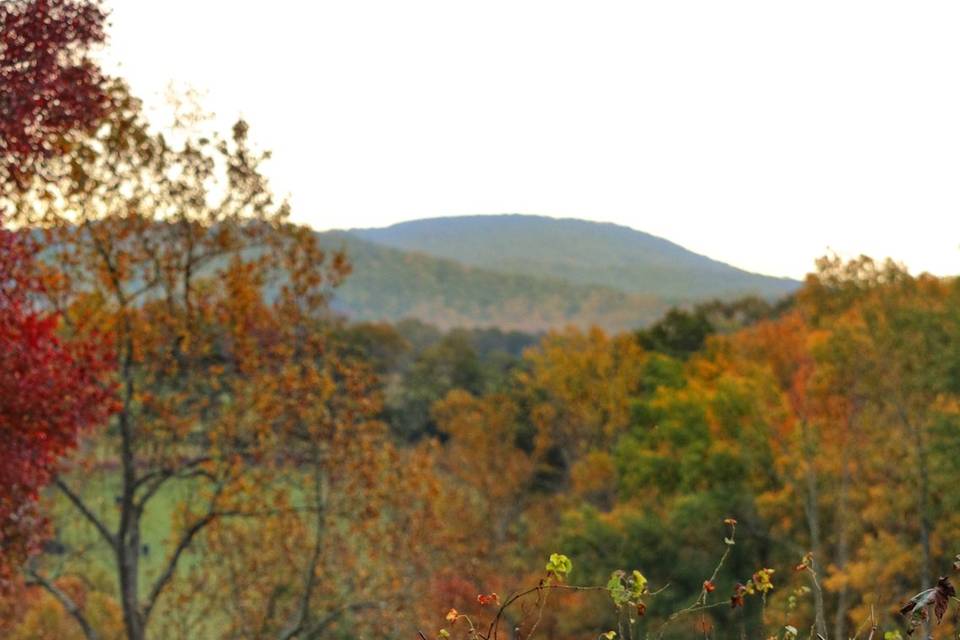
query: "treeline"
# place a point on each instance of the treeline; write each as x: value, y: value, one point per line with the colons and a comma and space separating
x: 825, y: 424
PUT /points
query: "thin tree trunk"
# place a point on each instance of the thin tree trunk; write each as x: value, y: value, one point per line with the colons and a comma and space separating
x: 303, y: 621
x: 917, y: 435
x: 127, y: 547
x: 811, y: 507
x: 843, y: 544
x: 923, y: 500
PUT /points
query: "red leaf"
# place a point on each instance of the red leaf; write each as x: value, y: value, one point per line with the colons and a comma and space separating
x: 488, y: 599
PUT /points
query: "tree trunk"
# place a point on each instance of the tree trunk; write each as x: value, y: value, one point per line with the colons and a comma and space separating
x: 917, y: 435
x: 128, y: 534
x: 811, y: 507
x: 843, y: 546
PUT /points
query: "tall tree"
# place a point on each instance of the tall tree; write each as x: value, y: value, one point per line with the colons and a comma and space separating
x: 213, y: 299
x: 50, y: 92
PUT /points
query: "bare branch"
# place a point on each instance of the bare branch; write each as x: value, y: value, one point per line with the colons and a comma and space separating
x: 495, y: 623
x: 66, y: 602
x: 156, y: 479
x: 310, y: 574
x: 185, y: 541
x: 86, y: 512
x: 316, y: 631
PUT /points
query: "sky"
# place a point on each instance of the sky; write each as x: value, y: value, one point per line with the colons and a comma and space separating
x: 763, y: 134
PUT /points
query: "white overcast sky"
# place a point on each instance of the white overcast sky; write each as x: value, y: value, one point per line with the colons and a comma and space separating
x: 759, y: 133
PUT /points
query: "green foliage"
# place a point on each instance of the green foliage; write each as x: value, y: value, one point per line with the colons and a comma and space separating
x: 626, y: 589
x: 681, y: 332
x: 559, y: 566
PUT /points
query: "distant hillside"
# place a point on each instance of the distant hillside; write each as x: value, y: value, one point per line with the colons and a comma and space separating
x: 582, y: 252
x: 389, y: 284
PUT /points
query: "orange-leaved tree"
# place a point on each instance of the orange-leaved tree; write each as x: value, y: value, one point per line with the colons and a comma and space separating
x: 236, y: 413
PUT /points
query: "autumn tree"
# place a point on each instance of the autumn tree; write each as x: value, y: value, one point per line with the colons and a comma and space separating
x: 50, y: 388
x: 891, y: 333
x: 341, y: 516
x: 216, y: 307
x: 50, y: 391
x: 578, y: 387
x: 488, y: 484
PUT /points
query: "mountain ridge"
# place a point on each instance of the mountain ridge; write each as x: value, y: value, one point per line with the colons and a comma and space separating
x: 529, y: 273
x: 580, y: 251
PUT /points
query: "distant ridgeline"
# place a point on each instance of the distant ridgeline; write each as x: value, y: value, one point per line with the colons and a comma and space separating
x: 529, y: 273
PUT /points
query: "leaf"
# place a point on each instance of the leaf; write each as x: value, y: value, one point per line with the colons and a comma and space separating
x: 638, y: 584
x: 938, y: 597
x: 944, y: 592
x: 736, y: 600
x: 559, y: 565
x: 484, y: 600
x: 761, y: 580
x: 617, y: 589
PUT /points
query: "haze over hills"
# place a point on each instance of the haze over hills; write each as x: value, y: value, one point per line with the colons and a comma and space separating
x: 529, y: 273
x: 578, y: 251
x: 389, y: 284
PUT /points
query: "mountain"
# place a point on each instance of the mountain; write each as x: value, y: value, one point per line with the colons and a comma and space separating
x: 581, y: 252
x: 389, y: 284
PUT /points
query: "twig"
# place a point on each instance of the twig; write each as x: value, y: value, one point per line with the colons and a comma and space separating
x: 495, y: 623
x: 700, y: 603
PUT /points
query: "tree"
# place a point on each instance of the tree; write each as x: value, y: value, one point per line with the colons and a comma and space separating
x: 451, y: 363
x: 679, y: 334
x: 481, y: 456
x: 333, y: 524
x: 578, y: 387
x: 216, y: 306
x: 50, y: 391
x: 892, y: 347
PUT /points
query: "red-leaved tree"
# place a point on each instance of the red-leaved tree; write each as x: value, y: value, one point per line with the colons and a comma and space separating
x: 49, y: 391
x: 50, y: 88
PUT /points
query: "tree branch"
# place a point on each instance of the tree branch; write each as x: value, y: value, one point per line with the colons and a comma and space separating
x: 86, y: 512
x: 171, y: 568
x: 310, y: 574
x: 316, y: 631
x: 66, y: 602
x: 156, y: 479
